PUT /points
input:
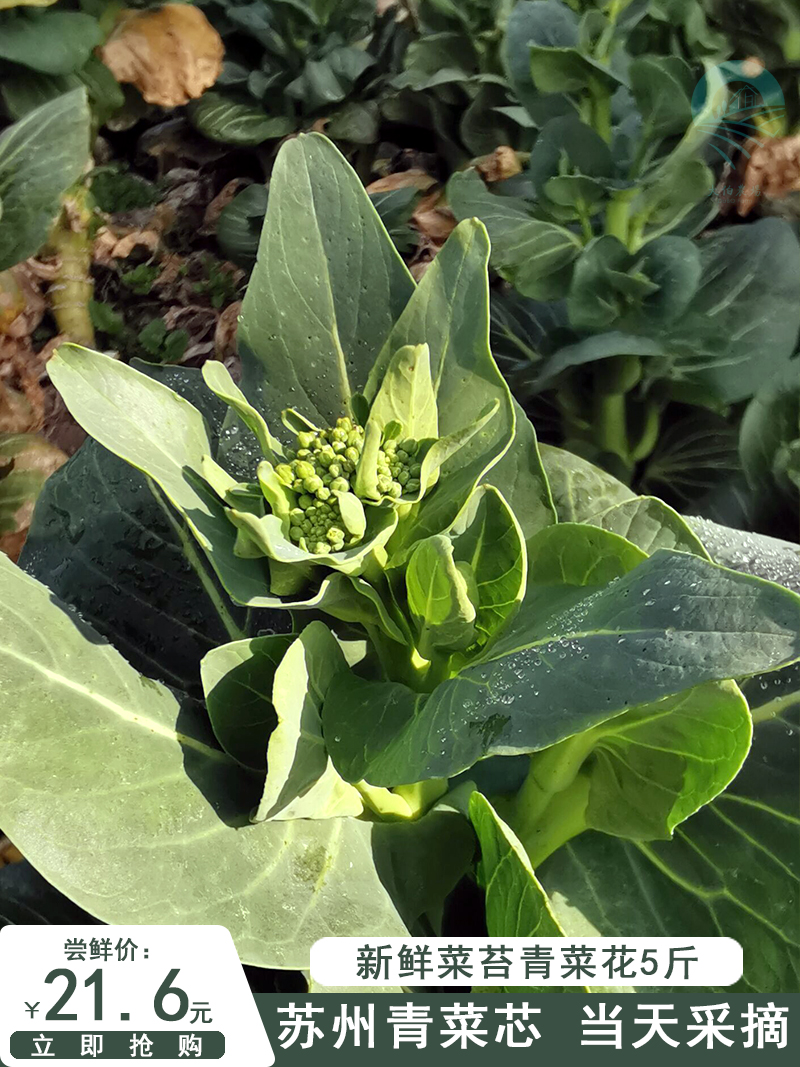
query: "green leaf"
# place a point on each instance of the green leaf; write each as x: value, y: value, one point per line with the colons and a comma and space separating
x: 326, y: 290
x: 237, y: 682
x: 488, y: 540
x: 52, y: 42
x: 580, y: 490
x: 134, y: 767
x: 651, y: 524
x: 406, y: 394
x: 26, y: 460
x: 542, y: 22
x: 575, y: 657
x: 610, y: 287
x: 301, y: 780
x: 439, y: 597
x: 662, y: 87
x: 357, y: 121
x: 519, y: 476
x: 770, y: 427
x: 218, y: 379
x: 165, y: 437
x: 730, y: 870
x: 40, y: 157
x: 516, y: 905
x: 234, y: 121
x: 263, y: 699
x: 574, y: 554
x: 568, y: 70
x: 656, y: 765
x: 239, y: 225
x: 27, y: 899
x: 532, y: 254
x: 114, y: 550
x: 742, y: 326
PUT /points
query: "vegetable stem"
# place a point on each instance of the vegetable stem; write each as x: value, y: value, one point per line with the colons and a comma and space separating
x: 613, y: 378
x: 564, y: 818
x: 72, y: 290
x: 618, y: 216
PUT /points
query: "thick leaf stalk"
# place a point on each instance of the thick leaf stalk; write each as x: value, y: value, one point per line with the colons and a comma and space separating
x: 73, y: 288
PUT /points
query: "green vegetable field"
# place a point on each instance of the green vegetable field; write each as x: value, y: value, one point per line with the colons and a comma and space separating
x: 400, y: 471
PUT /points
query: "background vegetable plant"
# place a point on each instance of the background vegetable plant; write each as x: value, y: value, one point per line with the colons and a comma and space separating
x: 289, y: 64
x: 622, y: 306
x: 520, y: 651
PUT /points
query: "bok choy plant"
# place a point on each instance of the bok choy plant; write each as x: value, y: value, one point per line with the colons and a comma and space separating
x: 623, y: 305
x: 282, y: 653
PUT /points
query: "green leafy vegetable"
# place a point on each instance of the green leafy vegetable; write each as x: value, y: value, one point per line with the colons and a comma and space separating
x: 373, y: 581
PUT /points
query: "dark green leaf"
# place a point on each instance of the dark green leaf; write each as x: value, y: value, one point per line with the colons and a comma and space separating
x: 40, y: 157
x: 574, y: 658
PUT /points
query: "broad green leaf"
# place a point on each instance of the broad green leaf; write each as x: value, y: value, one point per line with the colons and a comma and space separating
x: 40, y: 157
x: 770, y: 427
x: 165, y: 437
x: 577, y: 554
x: 516, y: 904
x: 612, y: 288
x: 53, y: 42
x: 113, y: 549
x: 543, y: 22
x: 568, y: 141
x: 656, y: 765
x: 237, y: 682
x: 593, y: 348
x: 575, y: 657
x: 123, y: 774
x: 568, y: 70
x: 326, y: 290
x: 731, y: 346
x: 27, y: 899
x: 732, y: 870
x: 662, y: 87
x: 651, y: 524
x: 439, y: 600
x: 532, y: 254
x: 406, y: 394
x: 301, y: 781
x: 236, y: 121
x: 239, y: 225
x: 580, y: 490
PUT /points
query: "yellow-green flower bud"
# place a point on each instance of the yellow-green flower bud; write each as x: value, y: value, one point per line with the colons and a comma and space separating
x: 312, y: 484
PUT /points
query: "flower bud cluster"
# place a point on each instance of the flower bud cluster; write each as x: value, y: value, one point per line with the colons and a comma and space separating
x: 323, y: 465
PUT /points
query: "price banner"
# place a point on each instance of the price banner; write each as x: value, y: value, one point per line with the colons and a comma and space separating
x: 122, y: 993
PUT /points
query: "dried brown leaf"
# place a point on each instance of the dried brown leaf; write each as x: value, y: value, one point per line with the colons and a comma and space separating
x: 433, y: 218
x: 225, y: 334
x: 769, y: 169
x: 172, y: 54
x: 402, y: 179
x: 501, y: 164
x: 221, y: 201
x: 109, y: 245
x: 22, y: 303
